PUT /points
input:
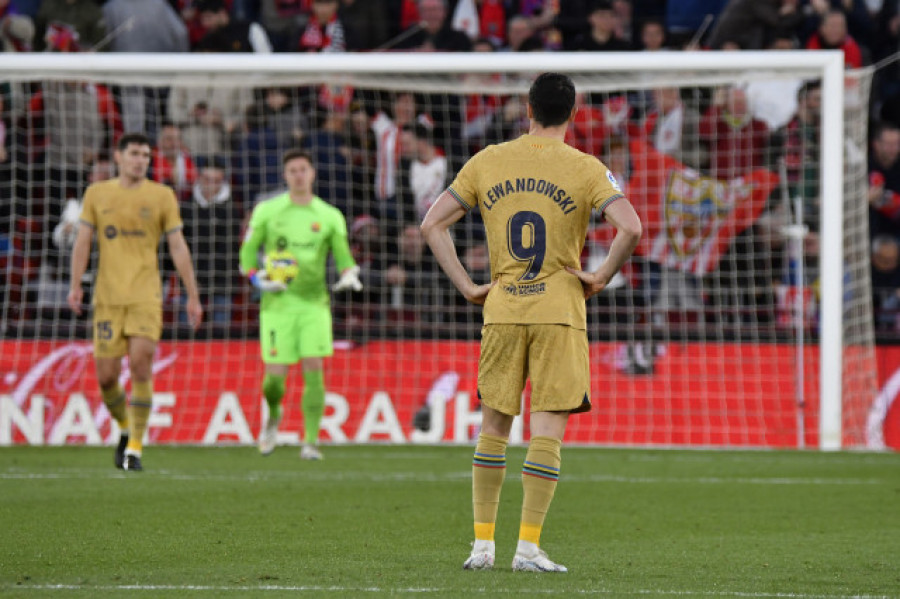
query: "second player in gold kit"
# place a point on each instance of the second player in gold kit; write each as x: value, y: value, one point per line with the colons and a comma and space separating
x: 127, y: 290
x: 129, y: 216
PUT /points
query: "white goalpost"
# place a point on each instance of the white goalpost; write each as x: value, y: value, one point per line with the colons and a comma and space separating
x: 721, y: 366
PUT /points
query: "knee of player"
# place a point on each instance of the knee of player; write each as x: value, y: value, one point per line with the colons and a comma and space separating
x: 142, y: 369
x: 313, y: 365
x: 107, y: 380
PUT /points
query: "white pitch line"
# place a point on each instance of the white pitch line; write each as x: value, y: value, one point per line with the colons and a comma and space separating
x: 392, y: 477
x: 426, y: 590
x: 714, y: 480
x: 459, y: 476
x: 762, y: 456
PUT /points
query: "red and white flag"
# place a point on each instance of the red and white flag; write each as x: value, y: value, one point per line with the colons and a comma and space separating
x: 690, y: 219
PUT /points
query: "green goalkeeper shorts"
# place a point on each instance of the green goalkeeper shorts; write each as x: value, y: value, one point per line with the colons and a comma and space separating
x: 288, y: 337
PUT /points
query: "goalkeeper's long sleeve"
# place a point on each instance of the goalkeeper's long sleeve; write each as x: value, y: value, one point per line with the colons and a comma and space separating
x: 340, y: 249
x: 249, y: 252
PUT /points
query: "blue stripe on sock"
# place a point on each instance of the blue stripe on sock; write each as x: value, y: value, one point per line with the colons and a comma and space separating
x: 489, y: 460
x: 543, y: 467
x: 541, y: 471
x: 490, y: 456
x: 538, y: 474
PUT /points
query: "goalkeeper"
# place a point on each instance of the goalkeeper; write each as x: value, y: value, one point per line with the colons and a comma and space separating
x: 295, y: 314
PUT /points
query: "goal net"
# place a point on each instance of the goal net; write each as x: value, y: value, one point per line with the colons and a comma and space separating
x: 744, y: 318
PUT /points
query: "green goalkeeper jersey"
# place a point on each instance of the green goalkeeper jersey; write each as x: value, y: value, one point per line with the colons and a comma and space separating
x: 308, y: 232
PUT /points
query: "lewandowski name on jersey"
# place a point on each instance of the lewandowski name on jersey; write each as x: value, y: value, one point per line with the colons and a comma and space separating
x: 497, y: 192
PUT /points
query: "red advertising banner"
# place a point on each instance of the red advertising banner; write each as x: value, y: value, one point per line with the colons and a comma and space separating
x: 699, y: 394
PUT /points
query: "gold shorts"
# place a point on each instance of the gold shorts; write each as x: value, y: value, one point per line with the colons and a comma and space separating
x: 113, y: 325
x: 554, y: 356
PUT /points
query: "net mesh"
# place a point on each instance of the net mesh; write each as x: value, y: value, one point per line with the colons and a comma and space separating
x: 708, y: 337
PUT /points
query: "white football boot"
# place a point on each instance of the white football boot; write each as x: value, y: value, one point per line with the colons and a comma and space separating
x: 269, y: 436
x: 534, y: 559
x: 482, y: 556
x: 310, y: 452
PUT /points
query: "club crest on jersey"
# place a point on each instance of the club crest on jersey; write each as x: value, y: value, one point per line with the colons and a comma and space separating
x: 695, y: 208
x: 315, y: 227
x: 146, y: 213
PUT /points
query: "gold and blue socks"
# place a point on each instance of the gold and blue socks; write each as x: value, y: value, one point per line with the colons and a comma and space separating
x: 540, y: 474
x: 117, y: 404
x: 488, y: 472
x: 138, y: 414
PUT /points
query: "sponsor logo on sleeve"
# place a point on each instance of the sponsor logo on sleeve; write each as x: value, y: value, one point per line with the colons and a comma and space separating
x: 612, y: 181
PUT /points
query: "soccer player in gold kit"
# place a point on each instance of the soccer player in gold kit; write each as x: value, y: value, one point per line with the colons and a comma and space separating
x: 535, y: 195
x: 129, y: 214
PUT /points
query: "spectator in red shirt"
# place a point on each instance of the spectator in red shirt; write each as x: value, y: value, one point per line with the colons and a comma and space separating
x: 884, y: 180
x: 435, y: 33
x: 736, y: 140
x: 588, y: 130
x: 832, y: 35
x: 324, y: 31
x: 671, y: 127
x: 492, y: 18
x: 187, y: 9
x: 171, y: 164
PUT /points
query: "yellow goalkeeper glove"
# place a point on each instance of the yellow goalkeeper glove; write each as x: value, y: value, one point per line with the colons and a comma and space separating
x: 261, y: 281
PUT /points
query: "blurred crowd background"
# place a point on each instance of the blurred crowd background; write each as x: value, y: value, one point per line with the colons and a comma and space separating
x: 384, y: 157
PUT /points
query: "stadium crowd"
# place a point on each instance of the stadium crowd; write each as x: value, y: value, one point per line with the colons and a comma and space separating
x: 383, y: 158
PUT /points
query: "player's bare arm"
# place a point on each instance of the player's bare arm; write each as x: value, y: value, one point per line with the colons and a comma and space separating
x: 81, y: 254
x: 181, y: 257
x: 436, y: 231
x: 621, y: 215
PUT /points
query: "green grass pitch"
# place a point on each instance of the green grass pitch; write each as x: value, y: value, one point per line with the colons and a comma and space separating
x: 372, y: 521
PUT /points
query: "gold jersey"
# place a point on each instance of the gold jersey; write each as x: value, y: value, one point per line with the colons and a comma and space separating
x: 535, y: 195
x: 129, y: 224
